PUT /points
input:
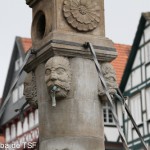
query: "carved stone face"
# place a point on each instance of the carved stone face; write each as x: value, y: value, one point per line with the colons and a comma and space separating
x: 57, y: 73
x: 110, y: 79
x: 30, y: 92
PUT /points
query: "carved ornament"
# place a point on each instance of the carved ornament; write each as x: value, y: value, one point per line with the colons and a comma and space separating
x: 30, y: 90
x: 84, y: 15
x: 58, y: 76
x: 110, y: 79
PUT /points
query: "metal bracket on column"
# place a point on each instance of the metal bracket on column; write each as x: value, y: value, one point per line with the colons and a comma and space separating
x: 102, y: 80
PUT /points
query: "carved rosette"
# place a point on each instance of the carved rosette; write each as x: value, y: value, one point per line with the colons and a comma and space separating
x: 84, y: 15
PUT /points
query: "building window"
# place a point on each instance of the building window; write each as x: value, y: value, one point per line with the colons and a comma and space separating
x: 143, y: 55
x: 20, y: 93
x: 13, y: 131
x: 31, y: 120
x: 147, y: 33
x: 17, y: 93
x: 148, y: 71
x: 147, y: 52
x: 129, y: 131
x: 148, y: 102
x: 128, y: 86
x: 7, y: 134
x: 137, y: 60
x: 142, y: 40
x: 36, y: 117
x: 25, y: 125
x: 136, y: 76
x: 18, y: 64
x: 108, y: 118
x: 135, y: 103
x: 19, y: 128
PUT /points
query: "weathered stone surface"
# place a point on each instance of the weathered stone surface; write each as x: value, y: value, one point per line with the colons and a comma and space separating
x: 57, y: 73
x: 48, y: 17
x: 77, y: 120
x: 110, y: 78
x: 73, y: 47
x: 76, y: 123
x: 30, y: 91
x: 83, y: 15
x: 52, y: 35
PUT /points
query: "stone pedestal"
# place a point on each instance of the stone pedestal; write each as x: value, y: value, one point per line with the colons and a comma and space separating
x: 60, y: 28
x: 76, y: 123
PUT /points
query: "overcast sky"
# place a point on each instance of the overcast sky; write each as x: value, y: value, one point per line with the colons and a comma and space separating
x: 121, y: 20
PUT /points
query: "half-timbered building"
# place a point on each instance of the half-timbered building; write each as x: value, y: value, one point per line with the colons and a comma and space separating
x: 19, y: 132
x: 14, y: 130
x: 136, y: 85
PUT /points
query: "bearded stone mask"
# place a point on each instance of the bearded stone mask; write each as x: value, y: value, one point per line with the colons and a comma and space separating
x: 30, y: 91
x: 57, y: 73
x: 110, y: 79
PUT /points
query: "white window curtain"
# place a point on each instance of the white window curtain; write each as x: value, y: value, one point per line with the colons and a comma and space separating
x: 128, y: 86
x: 7, y: 134
x: 137, y: 60
x: 148, y: 71
x: 147, y: 34
x: 36, y: 117
x: 18, y: 64
x: 136, y: 111
x: 15, y: 95
x: 148, y: 102
x: 21, y: 91
x: 31, y: 120
x: 147, y: 51
x: 13, y: 131
x: 136, y: 77
x: 25, y: 125
x: 19, y: 128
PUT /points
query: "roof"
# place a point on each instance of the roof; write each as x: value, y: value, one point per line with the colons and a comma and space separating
x: 26, y: 43
x: 144, y: 17
x: 119, y: 63
x: 2, y: 140
x: 7, y: 112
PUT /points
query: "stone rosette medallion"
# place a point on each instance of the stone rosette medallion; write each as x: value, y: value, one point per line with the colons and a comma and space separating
x: 84, y: 15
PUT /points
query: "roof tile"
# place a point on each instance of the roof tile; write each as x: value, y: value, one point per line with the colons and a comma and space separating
x: 26, y: 43
x: 120, y: 62
x: 2, y: 140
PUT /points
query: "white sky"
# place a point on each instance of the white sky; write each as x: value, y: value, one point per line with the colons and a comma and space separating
x: 121, y: 20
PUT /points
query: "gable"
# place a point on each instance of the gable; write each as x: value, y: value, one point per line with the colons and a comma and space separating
x: 135, y: 56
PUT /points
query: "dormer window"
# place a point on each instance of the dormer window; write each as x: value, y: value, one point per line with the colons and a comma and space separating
x: 17, y: 93
x: 18, y: 64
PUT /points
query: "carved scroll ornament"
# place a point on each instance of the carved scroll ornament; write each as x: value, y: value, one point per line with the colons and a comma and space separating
x: 84, y: 15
